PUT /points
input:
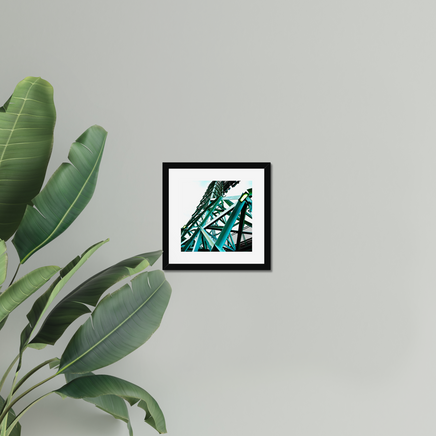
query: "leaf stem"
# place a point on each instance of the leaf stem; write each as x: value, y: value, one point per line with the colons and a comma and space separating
x: 6, y: 407
x: 19, y: 416
x: 15, y: 275
x: 6, y: 410
x: 2, y: 382
x: 31, y: 372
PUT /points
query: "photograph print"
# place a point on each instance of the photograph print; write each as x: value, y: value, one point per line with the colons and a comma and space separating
x: 222, y: 220
x: 216, y: 216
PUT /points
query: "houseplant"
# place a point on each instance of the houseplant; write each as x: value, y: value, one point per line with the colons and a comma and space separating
x: 120, y: 322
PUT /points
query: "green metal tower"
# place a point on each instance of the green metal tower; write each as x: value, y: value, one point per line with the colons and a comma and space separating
x: 220, y: 223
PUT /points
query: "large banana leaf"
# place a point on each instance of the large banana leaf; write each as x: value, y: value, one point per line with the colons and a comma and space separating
x: 97, y: 385
x: 3, y: 262
x: 43, y: 302
x: 120, y: 323
x: 111, y: 404
x: 27, y: 122
x: 11, y: 416
x: 87, y: 294
x: 64, y: 197
x: 24, y: 288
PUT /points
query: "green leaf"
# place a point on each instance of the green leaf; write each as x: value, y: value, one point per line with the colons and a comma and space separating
x: 5, y: 106
x: 64, y: 197
x: 27, y: 123
x: 11, y: 416
x: 55, y: 363
x: 3, y: 262
x: 43, y: 302
x: 24, y: 288
x: 111, y: 404
x: 120, y: 323
x: 97, y: 385
x: 87, y: 294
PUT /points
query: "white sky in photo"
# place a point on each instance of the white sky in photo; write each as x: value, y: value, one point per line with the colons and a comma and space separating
x: 193, y: 191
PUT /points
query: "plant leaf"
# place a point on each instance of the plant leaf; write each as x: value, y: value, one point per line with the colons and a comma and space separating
x: 27, y: 123
x: 24, y: 288
x: 87, y: 294
x: 120, y: 323
x: 43, y: 302
x: 55, y: 363
x: 3, y: 262
x: 97, y: 385
x: 64, y: 197
x: 11, y: 416
x: 5, y: 106
x: 111, y: 404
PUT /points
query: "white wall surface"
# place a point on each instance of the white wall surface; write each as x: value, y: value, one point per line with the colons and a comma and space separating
x: 339, y: 338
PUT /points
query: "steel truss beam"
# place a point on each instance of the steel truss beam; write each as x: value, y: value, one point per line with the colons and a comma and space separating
x: 220, y: 223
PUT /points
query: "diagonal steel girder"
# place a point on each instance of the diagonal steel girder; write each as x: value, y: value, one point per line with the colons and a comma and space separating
x: 212, y: 225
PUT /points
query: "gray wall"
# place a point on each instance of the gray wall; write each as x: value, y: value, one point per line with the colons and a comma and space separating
x: 339, y: 338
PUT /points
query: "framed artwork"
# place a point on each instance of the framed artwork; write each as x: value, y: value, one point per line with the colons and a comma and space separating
x: 217, y: 216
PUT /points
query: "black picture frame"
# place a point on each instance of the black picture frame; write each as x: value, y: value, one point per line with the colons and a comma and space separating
x: 237, y: 252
